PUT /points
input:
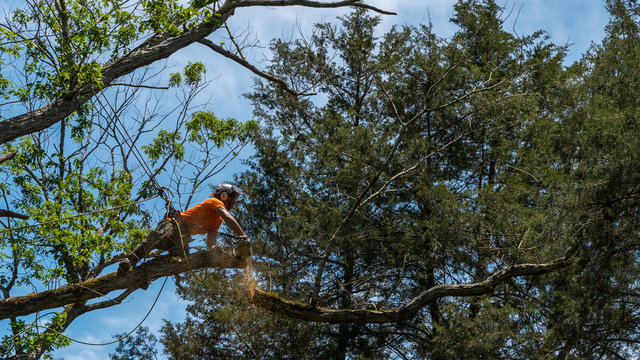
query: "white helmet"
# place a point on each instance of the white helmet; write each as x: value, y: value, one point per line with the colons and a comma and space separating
x: 224, y: 190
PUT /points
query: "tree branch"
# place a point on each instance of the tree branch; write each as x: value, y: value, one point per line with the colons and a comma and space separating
x: 9, y: 213
x: 312, y: 4
x: 228, y: 54
x: 8, y: 156
x: 305, y: 311
x: 140, y: 277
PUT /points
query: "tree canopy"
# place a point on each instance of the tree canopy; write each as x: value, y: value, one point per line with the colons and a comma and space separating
x: 88, y: 123
x: 462, y: 197
x: 470, y: 197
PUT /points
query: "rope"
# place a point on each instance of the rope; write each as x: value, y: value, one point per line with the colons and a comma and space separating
x: 110, y: 342
x: 184, y: 253
x: 130, y: 332
x: 127, y: 139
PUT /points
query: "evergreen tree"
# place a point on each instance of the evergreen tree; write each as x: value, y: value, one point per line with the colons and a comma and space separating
x: 429, y: 162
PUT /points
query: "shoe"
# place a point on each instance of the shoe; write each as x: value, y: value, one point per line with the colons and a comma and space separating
x: 124, y: 266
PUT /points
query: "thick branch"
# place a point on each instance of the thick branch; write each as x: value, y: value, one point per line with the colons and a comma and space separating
x: 9, y: 213
x: 305, y: 311
x: 140, y: 277
x: 158, y: 47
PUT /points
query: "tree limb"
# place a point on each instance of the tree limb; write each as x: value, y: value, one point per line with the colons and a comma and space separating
x: 8, y: 156
x: 138, y: 278
x: 312, y: 4
x: 9, y: 213
x: 228, y: 54
x: 305, y: 311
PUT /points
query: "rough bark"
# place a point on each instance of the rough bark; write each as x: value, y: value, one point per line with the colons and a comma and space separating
x: 139, y: 277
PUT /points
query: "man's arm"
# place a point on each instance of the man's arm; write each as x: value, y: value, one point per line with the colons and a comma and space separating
x: 230, y: 221
x: 212, y: 239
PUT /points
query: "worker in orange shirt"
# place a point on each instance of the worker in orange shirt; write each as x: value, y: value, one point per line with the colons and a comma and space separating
x: 174, y: 235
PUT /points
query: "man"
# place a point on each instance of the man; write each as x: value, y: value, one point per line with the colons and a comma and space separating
x: 174, y: 235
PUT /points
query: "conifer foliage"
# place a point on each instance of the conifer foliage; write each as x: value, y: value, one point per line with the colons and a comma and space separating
x: 431, y: 164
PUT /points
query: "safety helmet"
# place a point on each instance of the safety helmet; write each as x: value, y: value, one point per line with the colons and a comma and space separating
x: 224, y: 190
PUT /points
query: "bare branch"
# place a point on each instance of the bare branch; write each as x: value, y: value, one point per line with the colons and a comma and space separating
x: 235, y: 43
x: 142, y: 86
x: 228, y: 54
x: 312, y: 4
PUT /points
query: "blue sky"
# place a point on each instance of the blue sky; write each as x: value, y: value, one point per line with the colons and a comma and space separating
x: 576, y: 22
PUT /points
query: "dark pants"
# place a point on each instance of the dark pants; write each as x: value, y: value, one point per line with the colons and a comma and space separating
x: 165, y: 237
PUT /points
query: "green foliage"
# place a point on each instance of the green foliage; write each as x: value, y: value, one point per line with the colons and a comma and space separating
x: 205, y: 126
x: 27, y: 338
x: 193, y: 73
x: 140, y: 346
x: 175, y: 79
x: 166, y: 144
x: 435, y: 162
x: 63, y: 47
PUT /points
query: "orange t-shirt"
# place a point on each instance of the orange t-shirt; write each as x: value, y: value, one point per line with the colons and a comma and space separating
x: 203, y: 216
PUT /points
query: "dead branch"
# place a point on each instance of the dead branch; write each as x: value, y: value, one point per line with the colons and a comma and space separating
x: 228, y: 54
x: 312, y: 4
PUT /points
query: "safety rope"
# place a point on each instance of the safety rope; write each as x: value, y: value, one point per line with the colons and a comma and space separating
x: 106, y: 343
x: 130, y: 332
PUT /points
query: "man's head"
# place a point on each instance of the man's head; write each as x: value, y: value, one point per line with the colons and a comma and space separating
x: 229, y: 194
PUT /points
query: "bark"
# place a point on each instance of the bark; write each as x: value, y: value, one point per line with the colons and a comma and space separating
x: 158, y: 47
x: 139, y: 277
x: 307, y: 312
x: 11, y: 214
x: 8, y: 156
